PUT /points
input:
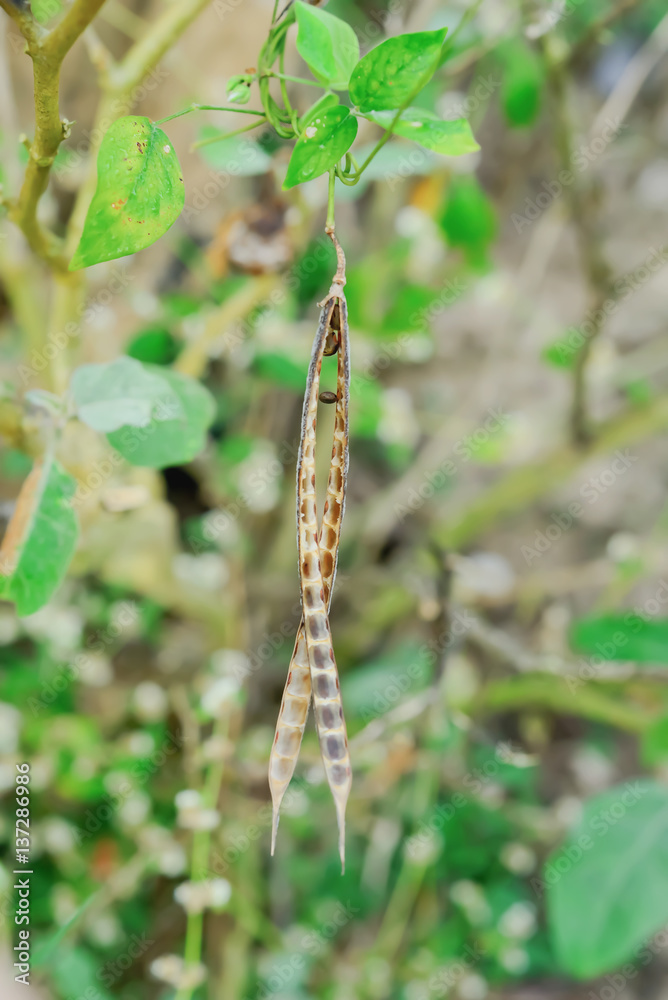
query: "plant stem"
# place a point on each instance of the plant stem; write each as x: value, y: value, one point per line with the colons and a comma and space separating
x: 208, y: 107
x: 381, y: 142
x: 226, y: 135
x: 294, y: 79
x: 329, y: 223
x: 47, y: 51
x: 596, y: 268
x: 548, y: 691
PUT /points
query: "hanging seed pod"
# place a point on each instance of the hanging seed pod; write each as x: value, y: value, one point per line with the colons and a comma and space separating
x: 313, y: 666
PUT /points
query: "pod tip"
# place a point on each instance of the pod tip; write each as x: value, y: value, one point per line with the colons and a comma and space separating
x: 274, y: 827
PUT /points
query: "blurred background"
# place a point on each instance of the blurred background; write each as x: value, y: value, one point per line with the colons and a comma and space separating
x: 506, y: 509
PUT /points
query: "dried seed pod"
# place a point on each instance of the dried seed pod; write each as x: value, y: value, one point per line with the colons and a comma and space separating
x: 313, y: 664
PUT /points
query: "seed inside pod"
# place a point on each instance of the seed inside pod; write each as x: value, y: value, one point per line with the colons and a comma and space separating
x: 334, y: 331
x: 328, y: 397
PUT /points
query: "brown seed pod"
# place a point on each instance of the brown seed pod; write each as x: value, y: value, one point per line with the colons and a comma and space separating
x: 313, y: 671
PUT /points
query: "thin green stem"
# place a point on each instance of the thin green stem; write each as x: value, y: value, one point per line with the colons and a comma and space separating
x: 294, y: 79
x: 329, y: 224
x: 468, y: 16
x: 350, y: 180
x: 208, y: 107
x: 226, y: 135
x: 381, y: 142
x: 282, y: 78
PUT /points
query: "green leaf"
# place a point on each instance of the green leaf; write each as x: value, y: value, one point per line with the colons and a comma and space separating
x: 654, y: 743
x: 328, y: 45
x: 391, y: 74
x: 154, y: 345
x: 560, y: 354
x: 450, y: 138
x: 522, y: 83
x: 280, y: 369
x: 469, y: 220
x: 322, y: 144
x: 139, y: 192
x: 237, y: 155
x: 40, y: 538
x: 607, y: 887
x: 114, y: 395
x: 326, y: 102
x: 626, y: 636
x: 177, y: 429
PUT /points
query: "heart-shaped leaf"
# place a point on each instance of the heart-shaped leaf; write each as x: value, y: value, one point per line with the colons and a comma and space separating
x: 451, y: 138
x: 139, y: 192
x: 116, y: 394
x: 390, y: 75
x: 328, y: 45
x: 322, y: 144
x: 40, y: 538
x: 180, y: 418
x: 326, y: 102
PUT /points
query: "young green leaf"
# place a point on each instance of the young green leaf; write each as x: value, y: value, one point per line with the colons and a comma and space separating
x: 139, y: 193
x: 40, y: 538
x: 123, y: 392
x: 321, y: 145
x: 450, y: 138
x: 390, y: 75
x: 326, y: 102
x: 622, y: 637
x: 469, y: 220
x: 522, y: 82
x: 654, y: 743
x: 607, y: 887
x: 328, y: 45
x: 177, y: 430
